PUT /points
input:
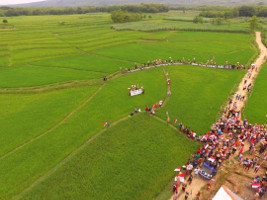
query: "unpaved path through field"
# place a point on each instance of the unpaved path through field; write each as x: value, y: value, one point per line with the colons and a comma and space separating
x: 249, y: 77
x: 199, y: 183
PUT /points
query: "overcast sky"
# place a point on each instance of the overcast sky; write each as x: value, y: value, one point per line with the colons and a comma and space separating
x: 10, y: 2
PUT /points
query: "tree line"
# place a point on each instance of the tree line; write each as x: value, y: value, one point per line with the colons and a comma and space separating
x: 142, y: 8
x: 243, y: 11
x: 121, y: 16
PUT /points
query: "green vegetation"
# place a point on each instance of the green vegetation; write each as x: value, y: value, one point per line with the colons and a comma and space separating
x: 198, y: 19
x: 183, y: 44
x: 233, y: 12
x: 53, y: 100
x: 255, y: 110
x: 88, y: 62
x: 213, y: 13
x: 31, y: 11
x: 184, y: 25
x: 119, y: 16
x: 129, y: 161
x: 110, y: 104
x: 32, y: 55
x: 24, y: 117
x: 196, y: 100
x: 25, y: 76
x: 253, y: 23
x: 217, y: 21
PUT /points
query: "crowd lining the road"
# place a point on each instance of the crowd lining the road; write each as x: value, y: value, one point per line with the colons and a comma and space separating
x: 170, y: 61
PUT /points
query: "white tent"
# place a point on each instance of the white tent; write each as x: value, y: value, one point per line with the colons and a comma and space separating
x: 225, y: 194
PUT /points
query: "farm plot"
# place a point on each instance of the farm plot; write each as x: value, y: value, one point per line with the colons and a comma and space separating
x: 109, y: 104
x: 183, y: 25
x: 25, y: 116
x: 29, y: 76
x: 133, y: 160
x: 198, y: 95
x: 202, y: 46
x: 88, y: 62
x: 60, y: 49
x: 256, y: 107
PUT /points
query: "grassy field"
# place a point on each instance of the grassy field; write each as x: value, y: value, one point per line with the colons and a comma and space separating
x: 182, y: 24
x: 132, y: 160
x: 28, y: 76
x: 49, y: 51
x: 110, y: 104
x: 90, y: 62
x: 222, y: 46
x: 255, y: 110
x: 198, y: 94
x: 24, y: 117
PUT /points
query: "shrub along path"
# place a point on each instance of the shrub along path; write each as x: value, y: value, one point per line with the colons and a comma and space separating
x: 199, y: 183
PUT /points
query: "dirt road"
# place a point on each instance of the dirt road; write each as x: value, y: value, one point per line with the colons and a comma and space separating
x: 249, y: 77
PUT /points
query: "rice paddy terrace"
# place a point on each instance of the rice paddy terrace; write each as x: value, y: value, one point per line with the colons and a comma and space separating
x: 54, y: 102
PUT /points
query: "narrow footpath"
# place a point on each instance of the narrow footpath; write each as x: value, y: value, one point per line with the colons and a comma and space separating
x: 246, y: 81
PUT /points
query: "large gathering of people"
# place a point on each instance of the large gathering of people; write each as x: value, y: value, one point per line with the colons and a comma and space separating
x: 165, y: 62
x: 227, y: 138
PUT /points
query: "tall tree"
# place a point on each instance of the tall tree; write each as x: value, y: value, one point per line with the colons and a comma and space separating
x: 253, y: 23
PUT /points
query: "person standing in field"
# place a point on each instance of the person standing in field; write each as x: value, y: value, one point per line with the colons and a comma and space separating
x: 198, y: 196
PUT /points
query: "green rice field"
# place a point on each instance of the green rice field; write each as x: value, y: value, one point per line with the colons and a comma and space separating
x: 255, y: 110
x: 53, y: 102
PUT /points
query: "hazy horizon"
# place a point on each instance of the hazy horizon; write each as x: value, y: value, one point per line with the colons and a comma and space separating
x: 12, y: 2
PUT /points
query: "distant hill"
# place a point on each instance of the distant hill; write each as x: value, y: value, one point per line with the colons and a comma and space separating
x: 65, y: 3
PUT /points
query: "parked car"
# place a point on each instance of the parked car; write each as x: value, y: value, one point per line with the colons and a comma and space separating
x: 208, y: 170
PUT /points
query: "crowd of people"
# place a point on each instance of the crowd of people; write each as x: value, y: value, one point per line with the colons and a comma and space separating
x: 159, y: 104
x: 222, y: 146
x: 260, y: 185
x: 163, y: 62
x: 227, y: 137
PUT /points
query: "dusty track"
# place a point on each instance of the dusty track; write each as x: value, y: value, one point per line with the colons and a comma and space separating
x: 259, y: 62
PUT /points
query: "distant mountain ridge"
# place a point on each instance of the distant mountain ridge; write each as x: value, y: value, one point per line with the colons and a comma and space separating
x: 67, y: 3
